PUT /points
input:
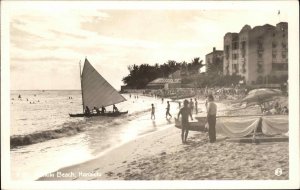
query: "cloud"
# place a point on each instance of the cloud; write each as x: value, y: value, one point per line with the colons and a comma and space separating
x: 66, y: 34
x: 41, y: 59
x: 44, y: 41
x: 19, y: 34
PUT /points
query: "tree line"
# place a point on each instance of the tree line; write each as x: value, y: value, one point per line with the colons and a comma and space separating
x: 140, y: 75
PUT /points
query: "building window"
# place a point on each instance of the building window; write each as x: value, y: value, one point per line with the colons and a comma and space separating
x: 243, y: 48
x: 274, y: 44
x: 243, y: 45
x: 227, y: 51
x: 227, y: 48
x: 279, y: 67
x: 235, y: 56
x: 235, y: 68
x: 274, y: 34
x: 260, y: 68
x: 260, y: 55
x: 283, y: 55
x: 235, y: 45
x: 283, y: 45
x: 283, y: 35
x: 244, y: 68
x: 274, y: 55
x: 260, y: 46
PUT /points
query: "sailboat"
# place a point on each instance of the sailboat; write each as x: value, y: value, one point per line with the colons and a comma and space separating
x: 97, y: 92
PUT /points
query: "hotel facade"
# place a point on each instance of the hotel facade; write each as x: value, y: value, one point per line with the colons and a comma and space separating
x: 259, y: 54
x: 214, y: 61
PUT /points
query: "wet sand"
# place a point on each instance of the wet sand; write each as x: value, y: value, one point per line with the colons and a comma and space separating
x: 161, y: 156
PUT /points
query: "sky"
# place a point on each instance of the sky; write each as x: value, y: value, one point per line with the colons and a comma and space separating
x: 47, y: 40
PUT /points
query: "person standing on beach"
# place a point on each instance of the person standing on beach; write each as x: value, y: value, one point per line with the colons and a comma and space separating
x: 191, y: 105
x: 168, y: 110
x: 211, y: 118
x: 196, y: 106
x: 185, y: 112
x: 152, y: 111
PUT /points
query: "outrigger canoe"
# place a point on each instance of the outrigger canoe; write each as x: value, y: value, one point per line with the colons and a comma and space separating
x: 107, y: 114
x: 97, y: 92
x: 198, y: 125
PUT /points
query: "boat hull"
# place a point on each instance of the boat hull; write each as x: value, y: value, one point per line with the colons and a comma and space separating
x: 108, y: 114
x: 193, y: 126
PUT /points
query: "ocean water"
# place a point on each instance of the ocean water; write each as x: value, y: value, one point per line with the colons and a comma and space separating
x: 44, y: 138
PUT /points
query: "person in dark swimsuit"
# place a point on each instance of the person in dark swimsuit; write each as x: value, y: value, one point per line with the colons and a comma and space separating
x: 103, y: 110
x: 168, y: 110
x: 185, y: 112
x: 191, y: 106
x: 97, y: 110
x: 152, y: 111
x: 87, y: 111
x: 115, y: 109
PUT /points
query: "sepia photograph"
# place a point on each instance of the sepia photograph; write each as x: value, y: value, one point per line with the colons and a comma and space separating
x: 149, y: 94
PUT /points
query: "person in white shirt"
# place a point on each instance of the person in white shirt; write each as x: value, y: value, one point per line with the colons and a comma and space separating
x: 211, y: 118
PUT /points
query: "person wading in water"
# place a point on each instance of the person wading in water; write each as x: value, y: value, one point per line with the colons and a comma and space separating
x: 168, y: 110
x: 152, y: 111
x: 185, y: 112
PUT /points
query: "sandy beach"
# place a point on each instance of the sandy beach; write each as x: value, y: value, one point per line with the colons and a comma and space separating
x: 161, y: 156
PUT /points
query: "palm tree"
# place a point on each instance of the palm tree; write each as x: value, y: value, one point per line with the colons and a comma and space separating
x: 196, y: 64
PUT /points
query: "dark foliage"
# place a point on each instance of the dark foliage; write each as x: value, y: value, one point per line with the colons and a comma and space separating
x: 140, y: 75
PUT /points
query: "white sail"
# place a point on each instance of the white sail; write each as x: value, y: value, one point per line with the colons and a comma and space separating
x: 96, y: 91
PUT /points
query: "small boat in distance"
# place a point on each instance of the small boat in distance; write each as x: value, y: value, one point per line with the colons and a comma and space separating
x: 97, y: 92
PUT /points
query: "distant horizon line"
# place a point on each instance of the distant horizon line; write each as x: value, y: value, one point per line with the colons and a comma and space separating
x: 43, y: 89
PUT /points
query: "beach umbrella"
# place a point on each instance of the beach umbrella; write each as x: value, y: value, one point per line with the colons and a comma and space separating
x: 261, y: 95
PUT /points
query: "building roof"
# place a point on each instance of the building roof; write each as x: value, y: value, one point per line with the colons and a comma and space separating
x: 164, y: 81
x: 266, y: 26
x: 246, y: 28
x: 231, y: 34
x: 175, y: 74
x: 216, y: 51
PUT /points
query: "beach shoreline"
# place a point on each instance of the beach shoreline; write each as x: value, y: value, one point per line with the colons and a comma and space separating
x: 162, y: 156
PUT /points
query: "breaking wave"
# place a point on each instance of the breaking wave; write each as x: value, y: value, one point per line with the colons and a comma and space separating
x: 69, y: 129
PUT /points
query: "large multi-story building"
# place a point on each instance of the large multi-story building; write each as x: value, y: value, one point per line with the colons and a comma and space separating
x: 214, y: 61
x: 259, y: 55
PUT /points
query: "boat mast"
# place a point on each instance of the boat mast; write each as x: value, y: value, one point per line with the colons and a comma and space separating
x: 81, y: 86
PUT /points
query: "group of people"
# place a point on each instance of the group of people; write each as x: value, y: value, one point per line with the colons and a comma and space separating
x: 220, y: 93
x: 135, y: 96
x: 88, y: 112
x: 186, y: 111
x: 30, y: 102
x: 193, y: 105
x: 167, y: 111
x: 276, y: 108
